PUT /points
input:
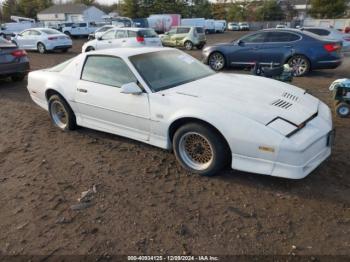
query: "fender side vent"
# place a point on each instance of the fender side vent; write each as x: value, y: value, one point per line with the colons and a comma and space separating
x: 290, y: 96
x: 281, y: 103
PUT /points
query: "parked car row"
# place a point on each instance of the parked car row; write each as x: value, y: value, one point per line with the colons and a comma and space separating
x: 242, y: 26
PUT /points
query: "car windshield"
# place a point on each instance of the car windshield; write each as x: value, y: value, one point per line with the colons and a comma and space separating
x: 166, y: 69
x: 60, y: 67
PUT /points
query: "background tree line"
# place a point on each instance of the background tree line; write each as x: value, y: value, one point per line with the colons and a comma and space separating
x: 267, y: 10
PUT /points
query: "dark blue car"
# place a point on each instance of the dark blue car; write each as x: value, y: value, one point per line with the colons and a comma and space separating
x: 303, y: 51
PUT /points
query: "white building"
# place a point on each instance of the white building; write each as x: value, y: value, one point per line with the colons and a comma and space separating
x: 70, y: 13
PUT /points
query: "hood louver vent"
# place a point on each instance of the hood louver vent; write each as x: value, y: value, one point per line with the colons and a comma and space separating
x: 290, y: 96
x: 282, y: 104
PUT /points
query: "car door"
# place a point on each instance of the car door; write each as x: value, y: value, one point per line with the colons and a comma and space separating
x: 278, y: 47
x: 180, y: 35
x: 34, y: 38
x: 121, y: 38
x: 245, y: 51
x: 101, y: 104
x: 23, y: 39
x: 169, y: 37
x: 107, y: 40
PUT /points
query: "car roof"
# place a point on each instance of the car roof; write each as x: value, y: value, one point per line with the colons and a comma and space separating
x: 132, y: 28
x: 125, y: 52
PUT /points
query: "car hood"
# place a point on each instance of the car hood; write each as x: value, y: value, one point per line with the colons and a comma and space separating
x: 258, y: 98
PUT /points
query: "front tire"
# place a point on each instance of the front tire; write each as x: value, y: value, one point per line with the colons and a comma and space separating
x: 216, y: 61
x: 199, y: 149
x: 300, y: 65
x: 188, y: 45
x: 343, y: 110
x: 41, y: 48
x: 61, y: 114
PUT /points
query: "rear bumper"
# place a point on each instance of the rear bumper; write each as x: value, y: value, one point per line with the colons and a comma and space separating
x: 327, y: 64
x: 60, y: 47
x: 15, y: 68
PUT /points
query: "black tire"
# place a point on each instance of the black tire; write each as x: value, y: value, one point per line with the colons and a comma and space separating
x: 218, y: 152
x: 343, y: 110
x: 188, y: 45
x: 18, y: 77
x: 89, y: 48
x: 200, y: 46
x: 214, y: 62
x: 41, y: 48
x: 300, y: 64
x: 70, y: 116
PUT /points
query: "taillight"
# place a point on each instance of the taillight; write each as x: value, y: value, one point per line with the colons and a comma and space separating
x: 140, y: 39
x: 53, y: 38
x: 19, y: 53
x: 332, y: 47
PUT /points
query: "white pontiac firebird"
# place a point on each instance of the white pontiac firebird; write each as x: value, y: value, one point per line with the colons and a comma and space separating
x: 166, y: 98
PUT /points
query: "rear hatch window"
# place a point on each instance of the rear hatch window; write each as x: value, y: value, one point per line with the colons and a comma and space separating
x: 200, y: 30
x: 147, y: 33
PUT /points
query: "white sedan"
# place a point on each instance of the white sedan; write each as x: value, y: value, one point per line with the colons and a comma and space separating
x: 42, y: 39
x: 166, y: 98
x: 124, y: 37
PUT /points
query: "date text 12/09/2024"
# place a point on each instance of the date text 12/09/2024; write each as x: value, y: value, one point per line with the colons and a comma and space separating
x: 173, y: 258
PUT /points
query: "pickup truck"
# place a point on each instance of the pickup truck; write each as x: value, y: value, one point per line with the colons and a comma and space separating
x: 80, y: 29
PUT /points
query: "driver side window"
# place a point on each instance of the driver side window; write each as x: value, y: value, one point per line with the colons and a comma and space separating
x: 109, y: 35
x: 172, y: 31
x: 255, y: 38
x: 107, y: 70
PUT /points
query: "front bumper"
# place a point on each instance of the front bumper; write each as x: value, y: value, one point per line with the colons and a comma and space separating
x: 296, y: 156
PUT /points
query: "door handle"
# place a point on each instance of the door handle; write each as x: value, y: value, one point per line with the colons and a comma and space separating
x: 109, y: 42
x: 82, y: 90
x: 288, y: 46
x: 124, y: 41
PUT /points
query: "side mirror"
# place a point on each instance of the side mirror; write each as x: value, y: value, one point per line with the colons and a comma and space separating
x: 99, y: 38
x: 166, y: 33
x: 131, y: 88
x: 240, y: 42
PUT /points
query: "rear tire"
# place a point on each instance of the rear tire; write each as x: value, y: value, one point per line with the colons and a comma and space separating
x: 188, y: 45
x: 200, y: 46
x: 41, y: 48
x: 343, y: 110
x: 199, y: 149
x: 300, y: 64
x: 62, y: 116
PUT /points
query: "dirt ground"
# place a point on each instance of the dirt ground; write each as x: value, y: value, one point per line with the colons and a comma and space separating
x: 145, y: 202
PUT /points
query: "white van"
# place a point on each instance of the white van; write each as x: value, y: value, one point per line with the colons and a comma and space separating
x: 219, y: 26
x: 11, y: 29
